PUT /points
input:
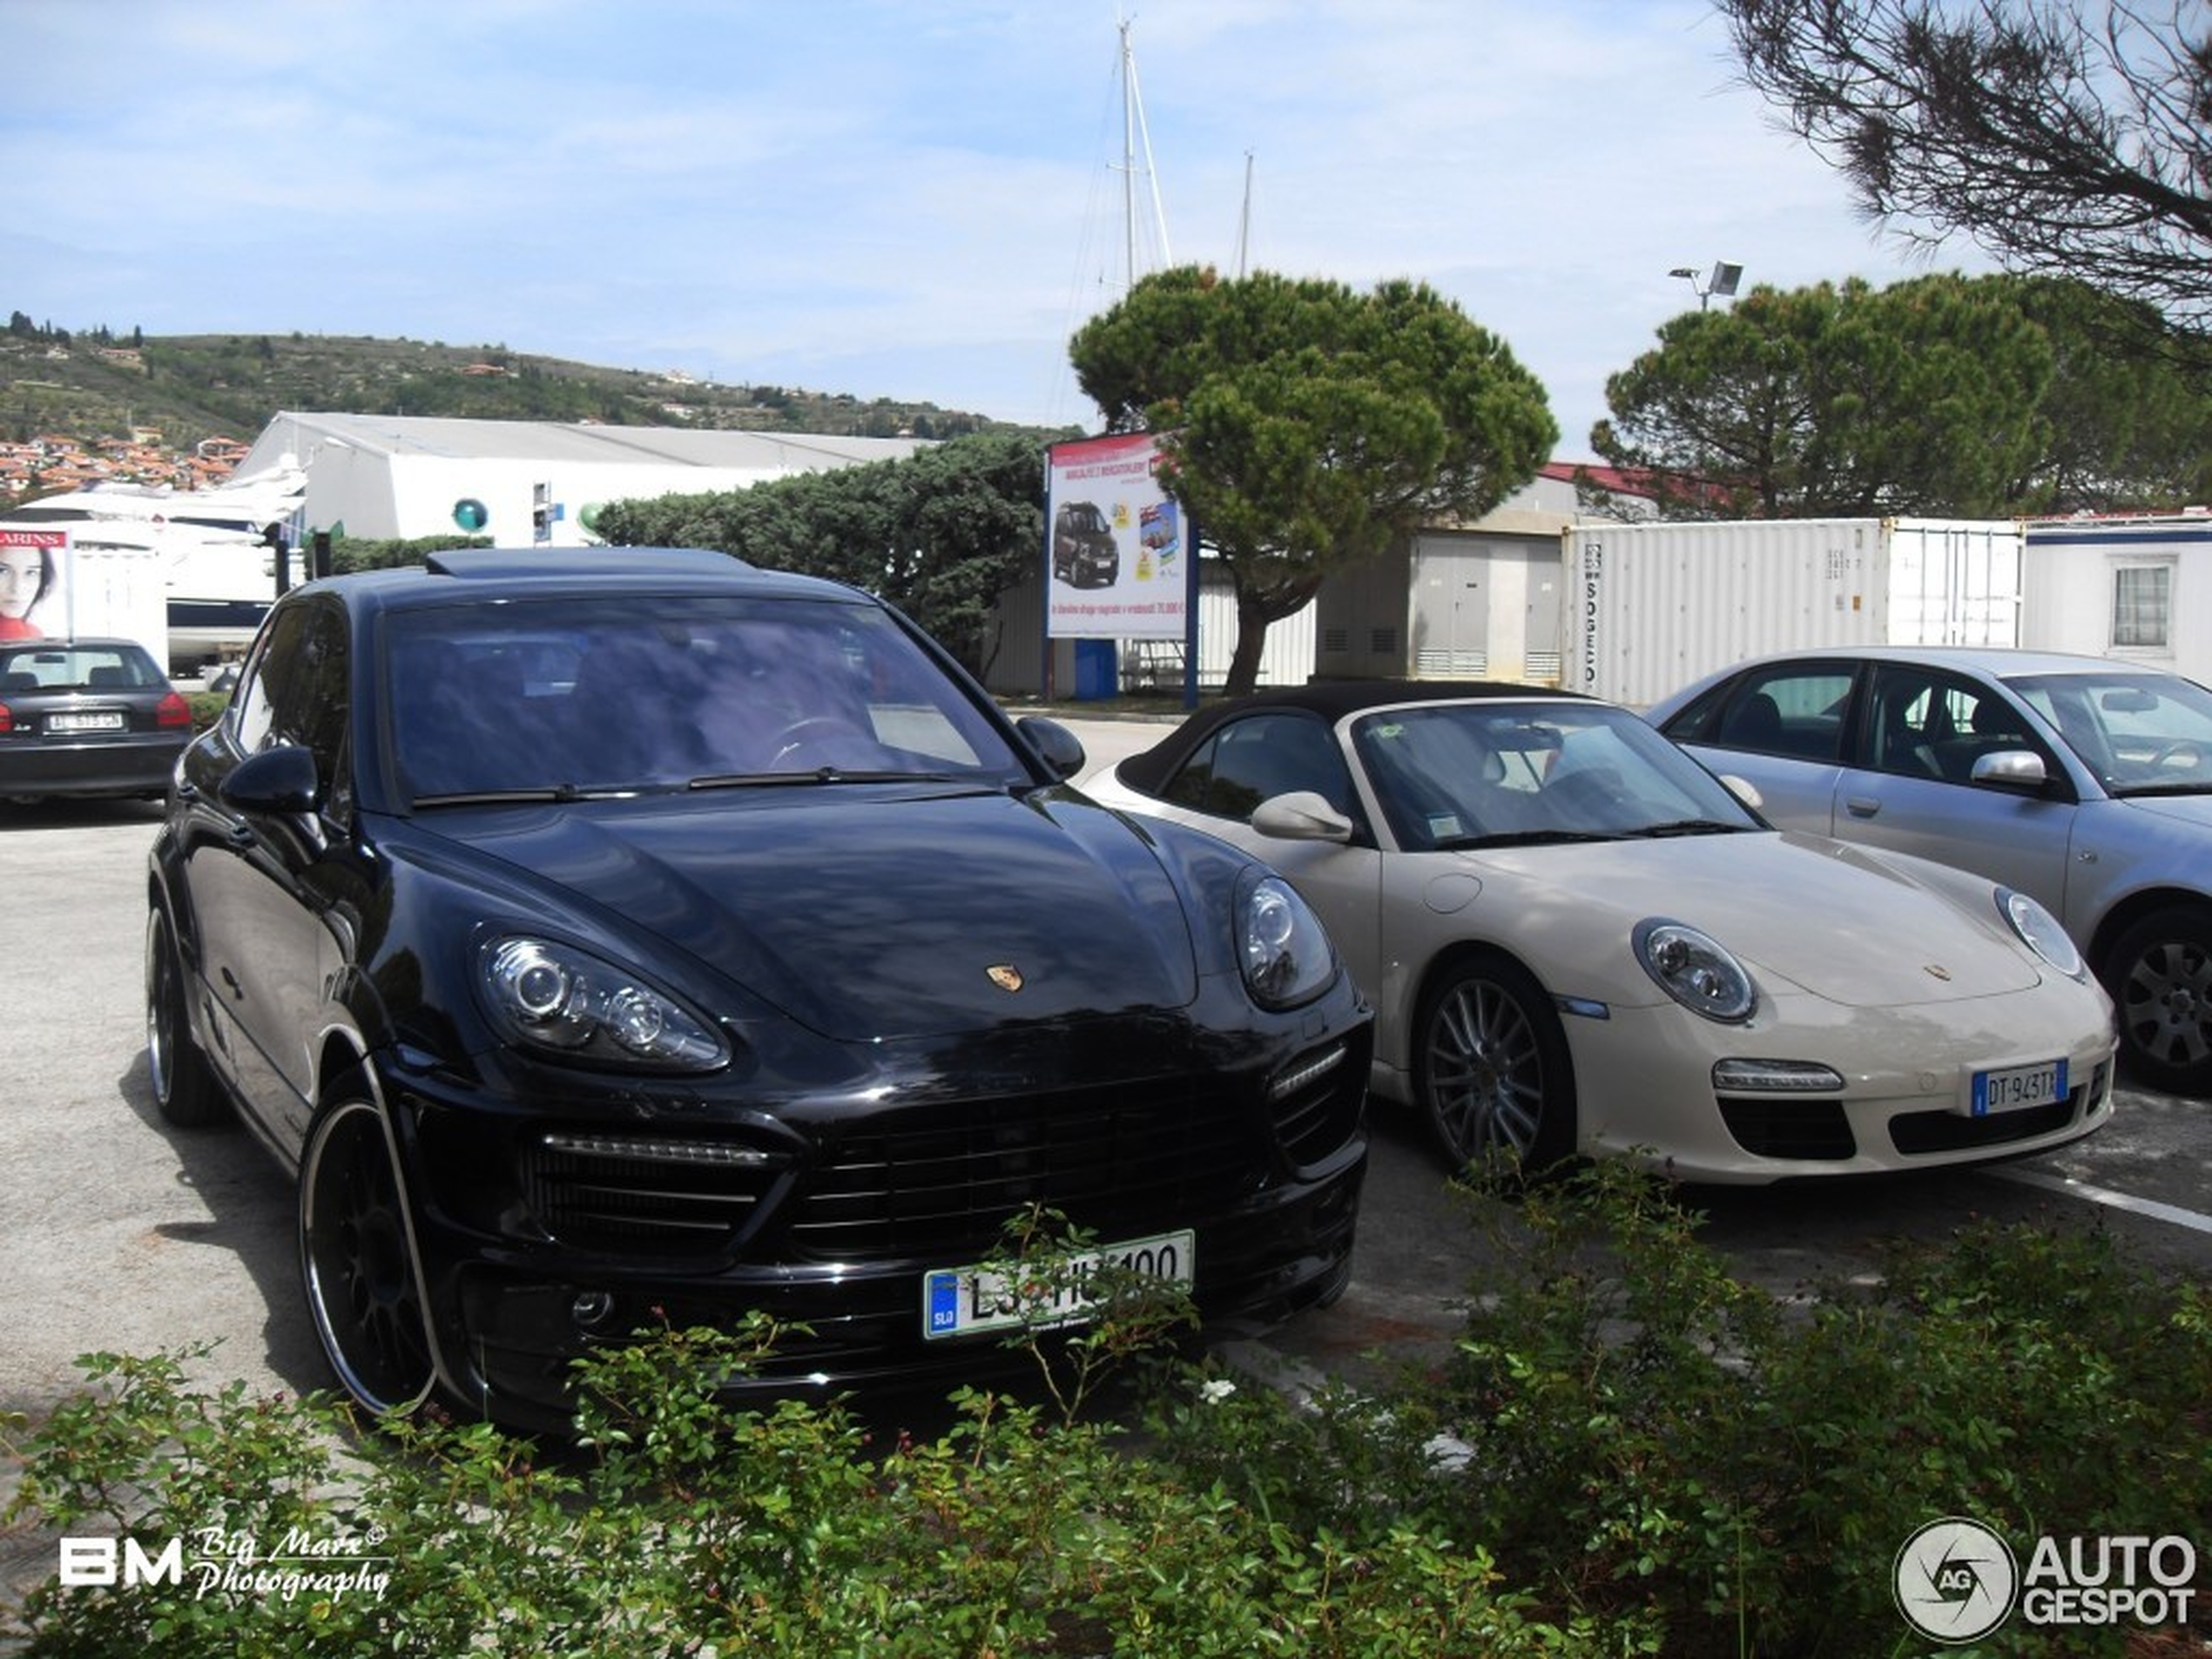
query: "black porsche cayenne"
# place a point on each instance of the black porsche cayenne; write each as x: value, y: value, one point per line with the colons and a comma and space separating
x: 612, y: 937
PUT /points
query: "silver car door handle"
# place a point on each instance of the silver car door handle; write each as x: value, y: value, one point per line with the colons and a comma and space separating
x: 1861, y: 805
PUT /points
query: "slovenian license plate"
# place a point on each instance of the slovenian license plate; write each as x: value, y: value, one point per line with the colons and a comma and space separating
x: 2017, y: 1088
x: 108, y: 720
x: 963, y: 1301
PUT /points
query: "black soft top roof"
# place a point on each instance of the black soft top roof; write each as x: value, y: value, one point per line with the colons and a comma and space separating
x: 1329, y: 700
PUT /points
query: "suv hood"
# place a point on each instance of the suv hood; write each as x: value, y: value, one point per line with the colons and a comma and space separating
x: 892, y: 924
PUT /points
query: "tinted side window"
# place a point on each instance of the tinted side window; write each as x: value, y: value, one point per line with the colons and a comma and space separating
x: 295, y: 689
x: 1922, y: 723
x: 1254, y: 759
x: 1797, y: 712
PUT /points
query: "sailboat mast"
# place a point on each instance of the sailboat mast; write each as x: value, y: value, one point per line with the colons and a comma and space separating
x: 1134, y: 134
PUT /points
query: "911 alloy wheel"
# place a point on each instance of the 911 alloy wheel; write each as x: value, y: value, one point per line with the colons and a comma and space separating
x: 1492, y: 1069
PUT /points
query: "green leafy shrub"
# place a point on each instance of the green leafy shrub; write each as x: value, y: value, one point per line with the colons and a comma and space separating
x: 677, y: 1525
x: 1647, y: 1434
x: 1629, y: 1452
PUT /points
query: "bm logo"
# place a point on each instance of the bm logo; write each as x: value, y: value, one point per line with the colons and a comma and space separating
x: 95, y: 1561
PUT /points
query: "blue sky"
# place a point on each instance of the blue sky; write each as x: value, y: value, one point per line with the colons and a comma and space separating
x: 920, y: 201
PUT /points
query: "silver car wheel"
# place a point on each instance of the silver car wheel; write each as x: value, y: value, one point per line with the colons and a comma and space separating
x: 2160, y: 978
x: 1493, y: 1074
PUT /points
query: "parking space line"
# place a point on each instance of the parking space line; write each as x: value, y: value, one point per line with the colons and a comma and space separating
x: 2105, y: 1196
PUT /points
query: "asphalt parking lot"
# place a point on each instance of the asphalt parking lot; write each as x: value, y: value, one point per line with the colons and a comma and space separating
x: 119, y: 1233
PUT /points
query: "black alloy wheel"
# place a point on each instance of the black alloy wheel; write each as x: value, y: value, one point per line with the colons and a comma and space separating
x: 357, y: 1259
x: 185, y: 1092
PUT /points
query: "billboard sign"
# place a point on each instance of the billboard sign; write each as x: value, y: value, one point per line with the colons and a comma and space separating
x: 1118, y: 553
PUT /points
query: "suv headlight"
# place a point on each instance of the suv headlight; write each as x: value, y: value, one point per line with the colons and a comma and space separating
x: 555, y: 996
x: 1284, y: 949
x: 2040, y: 931
x: 1693, y: 968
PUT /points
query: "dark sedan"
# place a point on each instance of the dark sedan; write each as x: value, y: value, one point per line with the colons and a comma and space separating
x: 608, y: 937
x: 87, y: 716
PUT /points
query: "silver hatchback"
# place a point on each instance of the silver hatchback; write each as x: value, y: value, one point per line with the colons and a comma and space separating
x: 2084, y: 780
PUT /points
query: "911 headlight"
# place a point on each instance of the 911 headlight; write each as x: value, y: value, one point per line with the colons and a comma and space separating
x: 2041, y: 932
x: 555, y: 996
x: 1693, y: 968
x: 1284, y: 949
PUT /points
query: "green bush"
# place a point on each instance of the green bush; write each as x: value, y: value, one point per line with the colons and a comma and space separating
x: 1629, y: 1452
x: 677, y: 1525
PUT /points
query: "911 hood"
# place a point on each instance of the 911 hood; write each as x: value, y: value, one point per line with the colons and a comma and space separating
x: 1831, y: 919
x: 866, y: 911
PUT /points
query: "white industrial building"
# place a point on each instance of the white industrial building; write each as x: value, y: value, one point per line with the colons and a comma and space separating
x: 397, y: 477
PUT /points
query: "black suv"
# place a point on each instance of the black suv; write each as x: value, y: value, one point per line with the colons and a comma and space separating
x: 1084, y: 554
x: 609, y: 937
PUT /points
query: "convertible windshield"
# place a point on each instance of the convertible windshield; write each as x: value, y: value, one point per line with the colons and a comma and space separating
x: 1476, y: 773
x: 2142, y: 734
x: 521, y: 701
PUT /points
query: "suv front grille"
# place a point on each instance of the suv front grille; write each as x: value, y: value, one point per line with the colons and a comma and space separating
x: 940, y: 1181
x: 617, y: 1192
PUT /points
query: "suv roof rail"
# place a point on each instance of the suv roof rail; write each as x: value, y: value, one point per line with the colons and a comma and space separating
x: 496, y: 562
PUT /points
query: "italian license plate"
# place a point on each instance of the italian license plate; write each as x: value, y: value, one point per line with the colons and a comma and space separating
x: 963, y: 1301
x: 106, y: 720
x: 2018, y: 1088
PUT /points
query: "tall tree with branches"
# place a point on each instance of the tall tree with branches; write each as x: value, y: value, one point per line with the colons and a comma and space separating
x: 1306, y: 427
x: 2068, y: 139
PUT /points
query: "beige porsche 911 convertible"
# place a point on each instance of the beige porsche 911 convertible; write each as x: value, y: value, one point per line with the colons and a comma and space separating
x: 1578, y: 941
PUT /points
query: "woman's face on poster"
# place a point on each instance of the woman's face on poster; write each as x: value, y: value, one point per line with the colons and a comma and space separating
x: 22, y: 576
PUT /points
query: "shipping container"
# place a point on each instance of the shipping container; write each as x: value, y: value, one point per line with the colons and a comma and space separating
x: 1654, y: 606
x: 2138, y: 589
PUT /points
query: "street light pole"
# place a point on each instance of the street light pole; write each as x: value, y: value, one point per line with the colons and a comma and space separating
x: 1723, y: 281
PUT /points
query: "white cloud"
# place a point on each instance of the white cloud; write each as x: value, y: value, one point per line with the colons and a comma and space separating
x: 870, y: 196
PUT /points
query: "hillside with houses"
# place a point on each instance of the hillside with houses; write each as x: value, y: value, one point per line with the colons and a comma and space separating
x: 77, y: 406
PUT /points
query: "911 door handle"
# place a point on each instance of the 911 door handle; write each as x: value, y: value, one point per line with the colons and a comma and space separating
x: 1862, y: 806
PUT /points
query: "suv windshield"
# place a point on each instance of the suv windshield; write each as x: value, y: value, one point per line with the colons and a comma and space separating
x: 653, y: 692
x: 2140, y: 734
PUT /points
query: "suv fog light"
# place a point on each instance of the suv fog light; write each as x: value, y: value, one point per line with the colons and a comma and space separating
x: 1774, y: 1076
x: 592, y: 1308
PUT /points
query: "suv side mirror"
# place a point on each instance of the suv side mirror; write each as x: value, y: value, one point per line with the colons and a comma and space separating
x: 276, y: 781
x: 1060, y: 749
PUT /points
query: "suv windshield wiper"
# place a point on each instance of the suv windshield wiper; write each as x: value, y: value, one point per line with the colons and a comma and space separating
x: 818, y: 775
x: 536, y: 794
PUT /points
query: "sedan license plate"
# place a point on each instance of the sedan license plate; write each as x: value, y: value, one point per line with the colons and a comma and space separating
x: 963, y: 1301
x: 105, y: 720
x: 2018, y: 1088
